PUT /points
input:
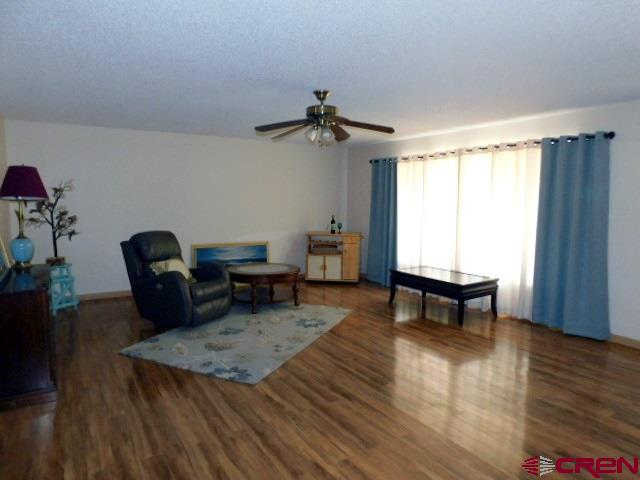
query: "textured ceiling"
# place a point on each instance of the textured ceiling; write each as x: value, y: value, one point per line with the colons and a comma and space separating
x: 220, y: 68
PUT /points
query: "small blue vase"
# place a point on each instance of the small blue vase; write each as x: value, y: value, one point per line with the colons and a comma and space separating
x: 22, y: 250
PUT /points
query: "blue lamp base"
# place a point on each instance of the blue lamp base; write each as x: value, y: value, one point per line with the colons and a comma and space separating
x: 22, y: 252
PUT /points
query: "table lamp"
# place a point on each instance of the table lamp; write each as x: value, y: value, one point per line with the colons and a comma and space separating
x: 22, y: 184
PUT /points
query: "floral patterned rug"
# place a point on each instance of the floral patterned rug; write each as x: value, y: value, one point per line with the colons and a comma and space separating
x: 241, y: 347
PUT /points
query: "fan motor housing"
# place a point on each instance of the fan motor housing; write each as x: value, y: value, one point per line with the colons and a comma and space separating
x: 315, y: 112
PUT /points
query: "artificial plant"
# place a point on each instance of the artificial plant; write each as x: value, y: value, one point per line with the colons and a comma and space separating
x: 53, y: 213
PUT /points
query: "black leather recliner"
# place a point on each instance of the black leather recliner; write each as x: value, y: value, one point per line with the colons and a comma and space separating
x: 169, y: 299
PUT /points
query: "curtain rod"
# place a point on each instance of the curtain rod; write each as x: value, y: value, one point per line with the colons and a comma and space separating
x: 569, y: 138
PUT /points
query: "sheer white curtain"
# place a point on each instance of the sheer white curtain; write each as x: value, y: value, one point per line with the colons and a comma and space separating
x: 474, y: 212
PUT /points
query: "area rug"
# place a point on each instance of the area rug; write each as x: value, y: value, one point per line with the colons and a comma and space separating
x: 241, y: 347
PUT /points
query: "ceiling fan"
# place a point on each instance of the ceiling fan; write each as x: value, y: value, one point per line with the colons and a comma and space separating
x: 325, y: 126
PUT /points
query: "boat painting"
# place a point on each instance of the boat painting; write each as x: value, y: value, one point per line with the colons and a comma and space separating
x: 229, y: 253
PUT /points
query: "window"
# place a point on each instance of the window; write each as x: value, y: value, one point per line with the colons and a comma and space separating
x: 475, y: 212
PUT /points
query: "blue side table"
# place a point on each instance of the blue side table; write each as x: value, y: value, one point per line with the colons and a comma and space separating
x: 63, y: 294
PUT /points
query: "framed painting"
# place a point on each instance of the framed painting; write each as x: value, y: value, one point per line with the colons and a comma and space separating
x: 229, y: 253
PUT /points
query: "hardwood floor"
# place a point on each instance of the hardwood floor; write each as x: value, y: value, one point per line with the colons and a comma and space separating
x: 383, y: 395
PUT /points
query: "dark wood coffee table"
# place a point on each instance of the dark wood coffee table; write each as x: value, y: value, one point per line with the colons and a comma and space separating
x: 447, y: 283
x: 264, y: 274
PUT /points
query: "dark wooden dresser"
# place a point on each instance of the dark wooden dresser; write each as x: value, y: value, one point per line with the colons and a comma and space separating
x: 26, y: 343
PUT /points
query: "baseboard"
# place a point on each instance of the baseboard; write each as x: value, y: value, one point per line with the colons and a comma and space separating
x: 626, y: 341
x: 104, y: 295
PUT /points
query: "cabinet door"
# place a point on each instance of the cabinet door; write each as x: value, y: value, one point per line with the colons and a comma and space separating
x: 351, y: 260
x: 315, y: 267
x: 333, y: 267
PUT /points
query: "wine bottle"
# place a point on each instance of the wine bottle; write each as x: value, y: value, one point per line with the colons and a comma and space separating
x: 333, y: 224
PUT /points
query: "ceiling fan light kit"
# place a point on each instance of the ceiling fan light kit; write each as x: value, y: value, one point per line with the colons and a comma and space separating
x: 325, y: 125
x: 326, y: 137
x: 312, y: 134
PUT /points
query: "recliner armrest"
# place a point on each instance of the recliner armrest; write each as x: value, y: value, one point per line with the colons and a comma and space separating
x: 210, y: 271
x: 171, y: 281
x: 206, y: 291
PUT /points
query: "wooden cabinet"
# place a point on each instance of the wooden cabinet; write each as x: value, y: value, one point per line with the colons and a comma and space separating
x: 26, y: 346
x: 333, y: 257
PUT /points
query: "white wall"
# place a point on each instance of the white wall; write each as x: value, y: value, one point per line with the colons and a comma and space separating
x: 4, y: 206
x: 203, y: 188
x: 624, y: 228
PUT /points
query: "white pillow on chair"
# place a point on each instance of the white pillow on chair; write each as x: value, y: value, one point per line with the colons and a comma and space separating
x: 172, y: 265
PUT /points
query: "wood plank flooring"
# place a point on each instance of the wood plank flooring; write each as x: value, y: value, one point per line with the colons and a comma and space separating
x: 384, y: 395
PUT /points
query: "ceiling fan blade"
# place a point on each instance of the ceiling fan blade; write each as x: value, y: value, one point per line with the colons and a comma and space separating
x: 289, y: 132
x: 340, y: 133
x: 281, y: 125
x: 366, y: 126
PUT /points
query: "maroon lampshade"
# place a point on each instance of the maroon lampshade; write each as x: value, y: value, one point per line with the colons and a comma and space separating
x: 23, y: 183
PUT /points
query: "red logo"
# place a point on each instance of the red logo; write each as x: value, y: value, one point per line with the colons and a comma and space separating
x: 538, y: 466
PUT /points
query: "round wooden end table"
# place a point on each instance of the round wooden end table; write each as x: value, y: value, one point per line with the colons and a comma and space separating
x: 264, y: 274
